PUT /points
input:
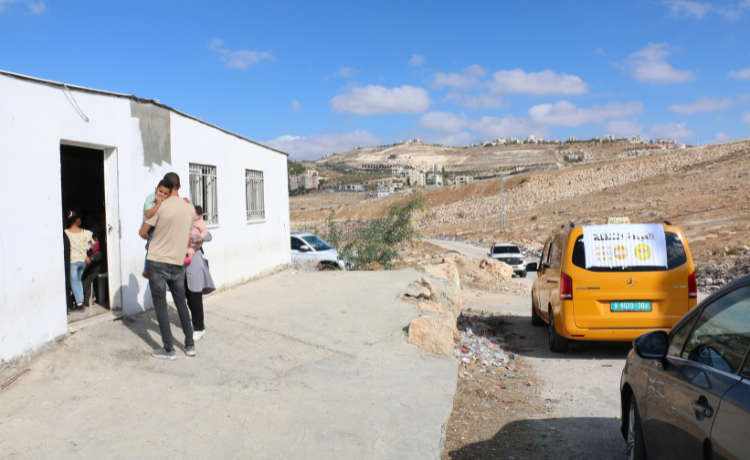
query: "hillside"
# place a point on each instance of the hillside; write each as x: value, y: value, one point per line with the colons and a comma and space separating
x: 702, y: 190
x: 486, y: 160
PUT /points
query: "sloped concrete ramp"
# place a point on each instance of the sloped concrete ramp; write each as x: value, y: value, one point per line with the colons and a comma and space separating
x: 294, y: 366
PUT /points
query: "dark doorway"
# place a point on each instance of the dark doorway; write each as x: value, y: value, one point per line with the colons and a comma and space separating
x: 82, y: 179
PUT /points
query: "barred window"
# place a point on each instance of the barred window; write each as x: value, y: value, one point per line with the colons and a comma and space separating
x: 255, y: 203
x: 203, y: 191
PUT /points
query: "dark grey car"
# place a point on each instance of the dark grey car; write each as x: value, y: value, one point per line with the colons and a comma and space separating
x: 686, y: 395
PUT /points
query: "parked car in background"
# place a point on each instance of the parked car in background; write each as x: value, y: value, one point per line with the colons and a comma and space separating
x: 686, y: 394
x: 609, y: 304
x: 511, y: 255
x: 311, y: 252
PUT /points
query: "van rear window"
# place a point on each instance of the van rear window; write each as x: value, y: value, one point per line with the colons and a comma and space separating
x: 675, y: 257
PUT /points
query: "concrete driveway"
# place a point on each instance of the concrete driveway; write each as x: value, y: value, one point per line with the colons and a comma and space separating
x: 294, y: 366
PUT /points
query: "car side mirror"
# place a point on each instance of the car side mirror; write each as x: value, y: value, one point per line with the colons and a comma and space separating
x: 532, y: 267
x: 489, y: 254
x: 652, y: 345
x: 545, y: 266
x: 304, y: 248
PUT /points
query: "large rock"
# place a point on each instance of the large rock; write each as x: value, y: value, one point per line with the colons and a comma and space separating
x: 448, y: 284
x: 433, y: 333
x: 497, y: 269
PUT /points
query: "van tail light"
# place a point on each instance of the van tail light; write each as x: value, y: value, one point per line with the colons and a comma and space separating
x: 566, y: 287
x: 692, y: 287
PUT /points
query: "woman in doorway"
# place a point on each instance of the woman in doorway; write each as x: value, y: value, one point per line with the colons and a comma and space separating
x: 80, y: 242
x: 198, y: 282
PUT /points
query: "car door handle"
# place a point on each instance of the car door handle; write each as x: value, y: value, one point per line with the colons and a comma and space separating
x: 553, y: 281
x: 703, y: 409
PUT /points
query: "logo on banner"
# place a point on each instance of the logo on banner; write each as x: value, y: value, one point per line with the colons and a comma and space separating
x: 643, y: 251
x: 621, y: 253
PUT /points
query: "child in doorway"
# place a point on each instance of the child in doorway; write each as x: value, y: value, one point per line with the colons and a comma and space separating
x: 80, y: 242
x: 152, y: 204
x: 197, y: 234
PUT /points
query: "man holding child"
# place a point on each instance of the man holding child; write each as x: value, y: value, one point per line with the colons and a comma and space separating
x: 171, y: 223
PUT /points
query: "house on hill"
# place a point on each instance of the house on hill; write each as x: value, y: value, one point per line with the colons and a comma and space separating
x: 102, y: 153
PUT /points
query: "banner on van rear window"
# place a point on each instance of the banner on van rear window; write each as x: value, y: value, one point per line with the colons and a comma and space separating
x: 626, y: 245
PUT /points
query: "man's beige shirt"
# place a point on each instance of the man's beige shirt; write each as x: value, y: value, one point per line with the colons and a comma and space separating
x: 172, y: 224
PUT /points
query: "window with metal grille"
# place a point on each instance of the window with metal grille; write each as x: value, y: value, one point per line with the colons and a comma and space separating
x: 256, y: 208
x: 203, y: 191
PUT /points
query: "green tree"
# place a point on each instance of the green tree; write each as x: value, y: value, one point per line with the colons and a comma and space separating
x: 294, y: 168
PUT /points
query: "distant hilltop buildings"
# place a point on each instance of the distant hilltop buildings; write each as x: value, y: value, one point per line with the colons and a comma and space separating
x: 307, y: 180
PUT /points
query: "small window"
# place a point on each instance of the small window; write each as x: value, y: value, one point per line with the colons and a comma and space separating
x: 679, y: 337
x: 721, y: 337
x: 255, y: 203
x: 555, y: 253
x: 203, y: 191
x: 296, y: 244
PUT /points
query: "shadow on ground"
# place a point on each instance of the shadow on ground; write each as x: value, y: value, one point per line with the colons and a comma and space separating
x: 550, y: 439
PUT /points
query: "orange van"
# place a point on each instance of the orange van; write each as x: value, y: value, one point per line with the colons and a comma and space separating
x: 609, y: 304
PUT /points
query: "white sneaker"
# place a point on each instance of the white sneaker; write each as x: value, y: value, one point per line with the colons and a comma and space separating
x: 198, y: 334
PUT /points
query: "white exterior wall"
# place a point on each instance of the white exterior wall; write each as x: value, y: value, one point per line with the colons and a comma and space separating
x: 35, y: 119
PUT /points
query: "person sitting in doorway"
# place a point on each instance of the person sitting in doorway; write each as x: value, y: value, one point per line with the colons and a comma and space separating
x: 80, y: 242
x: 152, y: 204
x: 98, y: 265
x: 197, y: 234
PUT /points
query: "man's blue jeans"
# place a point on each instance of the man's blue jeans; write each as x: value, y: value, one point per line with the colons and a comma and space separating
x: 159, y: 276
x: 148, y: 242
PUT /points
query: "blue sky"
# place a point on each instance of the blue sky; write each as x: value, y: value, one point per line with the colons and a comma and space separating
x: 312, y: 78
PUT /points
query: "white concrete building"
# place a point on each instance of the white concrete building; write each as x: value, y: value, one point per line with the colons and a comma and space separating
x: 72, y: 147
x: 638, y: 139
x: 572, y: 139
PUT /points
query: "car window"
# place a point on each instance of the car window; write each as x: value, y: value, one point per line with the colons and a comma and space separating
x: 679, y: 337
x: 721, y: 337
x: 676, y: 256
x: 296, y: 243
x: 505, y: 250
x: 316, y: 243
x: 555, y: 253
x: 545, y: 253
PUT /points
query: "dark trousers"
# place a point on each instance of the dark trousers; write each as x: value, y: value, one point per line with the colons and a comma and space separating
x: 195, y: 303
x: 159, y: 276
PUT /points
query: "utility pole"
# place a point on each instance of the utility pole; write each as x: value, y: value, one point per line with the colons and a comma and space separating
x: 483, y: 209
x: 502, y: 202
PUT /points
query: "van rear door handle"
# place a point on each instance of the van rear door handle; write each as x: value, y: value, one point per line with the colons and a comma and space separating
x: 703, y: 409
x: 553, y: 281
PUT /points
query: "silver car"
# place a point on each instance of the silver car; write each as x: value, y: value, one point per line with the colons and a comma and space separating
x: 511, y: 255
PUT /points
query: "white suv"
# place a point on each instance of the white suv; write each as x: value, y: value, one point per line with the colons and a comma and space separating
x: 310, y: 252
x: 511, y: 255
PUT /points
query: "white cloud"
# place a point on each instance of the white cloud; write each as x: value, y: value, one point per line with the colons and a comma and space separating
x: 346, y: 72
x: 681, y: 8
x: 742, y: 74
x: 315, y: 146
x: 672, y: 131
x: 444, y: 122
x: 649, y: 65
x: 731, y: 11
x: 703, y: 104
x: 746, y: 117
x: 545, y: 83
x: 623, y: 128
x: 35, y: 7
x: 721, y: 137
x: 296, y: 107
x: 563, y: 113
x: 468, y: 78
x: 375, y: 99
x: 416, y: 59
x: 241, y: 59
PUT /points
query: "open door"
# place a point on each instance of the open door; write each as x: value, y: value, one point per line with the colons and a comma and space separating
x: 89, y: 187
